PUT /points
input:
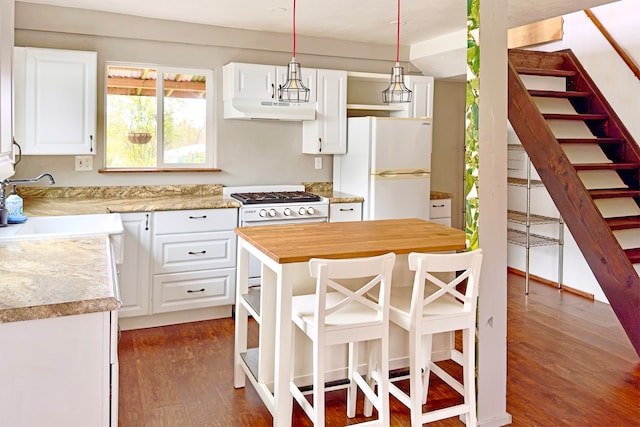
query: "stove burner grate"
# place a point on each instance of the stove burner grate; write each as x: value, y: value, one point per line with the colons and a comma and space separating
x: 276, y: 197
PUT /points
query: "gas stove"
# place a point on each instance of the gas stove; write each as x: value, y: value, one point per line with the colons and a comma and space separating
x: 278, y: 204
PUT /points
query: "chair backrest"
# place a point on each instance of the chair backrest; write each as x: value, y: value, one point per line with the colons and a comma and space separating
x: 339, y: 275
x: 462, y: 266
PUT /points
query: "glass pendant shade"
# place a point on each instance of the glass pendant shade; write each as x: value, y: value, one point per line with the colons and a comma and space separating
x: 293, y: 90
x: 397, y: 91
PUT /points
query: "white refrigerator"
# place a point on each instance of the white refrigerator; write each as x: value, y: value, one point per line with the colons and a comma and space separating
x: 388, y: 162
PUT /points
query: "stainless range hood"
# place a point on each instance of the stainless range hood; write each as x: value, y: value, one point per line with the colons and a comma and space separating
x: 250, y: 109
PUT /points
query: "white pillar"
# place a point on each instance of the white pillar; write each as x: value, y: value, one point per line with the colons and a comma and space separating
x: 492, y: 194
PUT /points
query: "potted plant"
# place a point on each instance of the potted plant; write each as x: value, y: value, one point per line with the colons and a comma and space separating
x: 142, y: 123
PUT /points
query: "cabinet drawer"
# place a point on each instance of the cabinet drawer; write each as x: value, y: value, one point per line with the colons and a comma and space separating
x: 440, y: 208
x: 193, y: 221
x: 174, y: 253
x: 341, y: 212
x: 199, y: 289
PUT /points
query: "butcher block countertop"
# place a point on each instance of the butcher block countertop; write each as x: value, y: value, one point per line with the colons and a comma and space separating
x: 301, y: 242
x: 44, y: 278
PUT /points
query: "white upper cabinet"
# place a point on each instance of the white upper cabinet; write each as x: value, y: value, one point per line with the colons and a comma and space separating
x: 328, y: 133
x: 55, y: 101
x: 250, y: 91
x: 421, y: 104
x: 6, y: 120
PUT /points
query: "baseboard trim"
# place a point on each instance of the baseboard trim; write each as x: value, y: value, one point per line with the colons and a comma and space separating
x: 551, y: 283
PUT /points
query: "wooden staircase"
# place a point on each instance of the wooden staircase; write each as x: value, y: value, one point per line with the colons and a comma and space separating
x: 589, y: 164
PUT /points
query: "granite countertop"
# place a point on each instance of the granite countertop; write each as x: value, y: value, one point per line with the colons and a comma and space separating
x: 43, y: 278
x: 40, y: 201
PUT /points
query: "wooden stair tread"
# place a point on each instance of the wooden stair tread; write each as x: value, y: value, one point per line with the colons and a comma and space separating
x: 559, y: 94
x: 603, y: 194
x: 624, y: 223
x: 545, y: 72
x: 590, y: 140
x: 584, y: 116
x: 602, y: 166
x: 633, y: 255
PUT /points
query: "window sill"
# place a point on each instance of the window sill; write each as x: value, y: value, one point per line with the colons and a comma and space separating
x: 151, y: 170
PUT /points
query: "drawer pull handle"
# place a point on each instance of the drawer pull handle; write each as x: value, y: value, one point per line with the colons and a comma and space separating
x: 198, y: 217
x: 346, y: 210
x: 192, y: 291
x: 438, y: 206
x: 197, y: 253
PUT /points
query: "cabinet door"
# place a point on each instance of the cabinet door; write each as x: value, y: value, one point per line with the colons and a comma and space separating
x: 55, y: 372
x: 134, y: 272
x: 249, y: 81
x: 328, y: 133
x: 6, y: 84
x: 60, y: 102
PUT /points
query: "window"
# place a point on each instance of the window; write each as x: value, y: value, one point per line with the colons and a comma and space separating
x: 146, y: 131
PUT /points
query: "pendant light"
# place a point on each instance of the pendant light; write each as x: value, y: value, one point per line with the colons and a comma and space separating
x: 397, y: 91
x: 293, y: 89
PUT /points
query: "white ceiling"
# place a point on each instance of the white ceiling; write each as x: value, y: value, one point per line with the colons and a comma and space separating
x: 356, y: 20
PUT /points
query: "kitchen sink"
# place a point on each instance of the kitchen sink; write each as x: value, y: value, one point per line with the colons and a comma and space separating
x: 68, y: 226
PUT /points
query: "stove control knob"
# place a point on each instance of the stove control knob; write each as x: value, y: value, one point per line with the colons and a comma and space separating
x: 286, y: 212
x: 302, y: 211
x: 311, y: 211
x: 262, y: 213
x: 272, y: 212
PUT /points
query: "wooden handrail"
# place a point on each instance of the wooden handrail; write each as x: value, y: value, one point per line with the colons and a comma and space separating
x: 625, y: 57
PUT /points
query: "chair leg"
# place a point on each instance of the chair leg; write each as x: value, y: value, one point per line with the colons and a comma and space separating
x: 371, y: 367
x: 352, y: 391
x: 469, y: 368
x: 427, y: 348
x: 384, y: 411
x: 318, y: 383
x: 416, y: 375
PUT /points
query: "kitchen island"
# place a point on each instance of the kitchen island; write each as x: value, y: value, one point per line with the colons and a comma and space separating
x: 284, y: 251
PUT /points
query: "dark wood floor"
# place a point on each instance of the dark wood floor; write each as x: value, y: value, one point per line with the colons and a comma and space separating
x: 569, y: 364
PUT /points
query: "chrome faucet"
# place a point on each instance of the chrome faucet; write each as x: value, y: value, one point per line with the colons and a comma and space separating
x: 3, y: 193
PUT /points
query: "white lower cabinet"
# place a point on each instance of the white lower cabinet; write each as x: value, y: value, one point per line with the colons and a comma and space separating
x: 183, y: 268
x: 61, y: 371
x: 440, y: 211
x: 342, y: 212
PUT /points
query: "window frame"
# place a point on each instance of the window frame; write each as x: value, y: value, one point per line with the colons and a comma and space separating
x: 210, y: 130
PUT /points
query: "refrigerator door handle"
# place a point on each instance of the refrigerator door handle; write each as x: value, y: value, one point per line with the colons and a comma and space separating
x: 392, y: 174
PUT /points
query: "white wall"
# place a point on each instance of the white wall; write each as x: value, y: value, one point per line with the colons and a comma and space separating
x: 622, y: 90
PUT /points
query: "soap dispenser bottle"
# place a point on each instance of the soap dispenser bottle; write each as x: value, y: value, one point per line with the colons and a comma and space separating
x: 14, y: 206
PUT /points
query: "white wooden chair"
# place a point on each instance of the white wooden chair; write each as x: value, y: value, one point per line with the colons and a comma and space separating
x: 432, y: 306
x: 339, y: 314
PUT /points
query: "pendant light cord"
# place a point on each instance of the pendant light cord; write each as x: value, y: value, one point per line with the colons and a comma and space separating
x: 398, y: 35
x: 294, y: 29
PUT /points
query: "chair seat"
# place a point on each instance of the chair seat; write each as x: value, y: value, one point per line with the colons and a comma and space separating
x: 353, y: 315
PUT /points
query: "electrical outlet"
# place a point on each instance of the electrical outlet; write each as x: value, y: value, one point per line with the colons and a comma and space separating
x: 84, y: 163
x: 318, y: 162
